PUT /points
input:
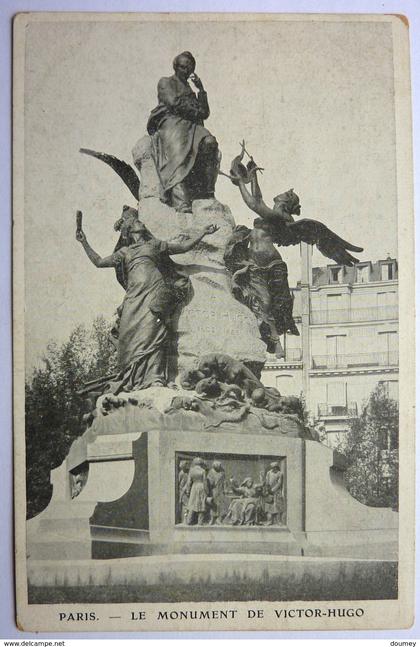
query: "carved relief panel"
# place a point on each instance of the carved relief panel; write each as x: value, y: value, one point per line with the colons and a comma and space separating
x: 230, y: 490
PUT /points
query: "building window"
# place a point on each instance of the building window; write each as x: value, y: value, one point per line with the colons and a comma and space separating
x: 388, y: 347
x: 334, y: 312
x: 387, y: 305
x: 362, y: 274
x: 335, y: 350
x: 387, y: 299
x: 337, y: 398
x: 335, y: 274
x: 387, y: 271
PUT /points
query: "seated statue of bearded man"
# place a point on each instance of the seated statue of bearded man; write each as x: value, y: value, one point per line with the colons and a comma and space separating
x: 185, y: 153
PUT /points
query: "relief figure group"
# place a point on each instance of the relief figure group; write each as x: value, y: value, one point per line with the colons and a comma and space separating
x: 206, y: 496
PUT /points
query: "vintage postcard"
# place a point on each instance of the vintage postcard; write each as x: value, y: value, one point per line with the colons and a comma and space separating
x: 213, y: 250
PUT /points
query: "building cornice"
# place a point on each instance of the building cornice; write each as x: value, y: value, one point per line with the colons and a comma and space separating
x: 353, y: 286
x: 288, y: 365
x: 379, y: 370
x: 354, y: 324
x: 322, y: 372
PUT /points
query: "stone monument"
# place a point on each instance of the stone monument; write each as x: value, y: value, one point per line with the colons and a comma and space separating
x: 184, y: 452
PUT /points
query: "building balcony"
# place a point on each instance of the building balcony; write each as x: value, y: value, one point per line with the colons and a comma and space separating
x: 356, y: 360
x: 353, y: 315
x: 337, y: 411
x: 293, y: 356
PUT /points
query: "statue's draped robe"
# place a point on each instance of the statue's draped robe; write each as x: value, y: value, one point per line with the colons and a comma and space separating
x: 198, y: 488
x: 275, y: 503
x: 216, y: 481
x: 243, y: 511
x: 153, y: 289
x: 176, y: 127
x: 264, y: 289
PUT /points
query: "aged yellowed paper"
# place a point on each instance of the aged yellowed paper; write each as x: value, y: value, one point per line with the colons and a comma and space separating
x: 216, y: 431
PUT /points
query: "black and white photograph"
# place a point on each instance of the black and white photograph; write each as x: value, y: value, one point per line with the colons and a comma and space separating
x: 213, y: 407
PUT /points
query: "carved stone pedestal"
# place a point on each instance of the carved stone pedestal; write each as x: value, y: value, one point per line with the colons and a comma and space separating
x: 131, y: 505
x: 212, y: 321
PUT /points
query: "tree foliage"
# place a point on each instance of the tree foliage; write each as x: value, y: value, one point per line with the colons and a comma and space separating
x: 371, y: 448
x: 52, y: 408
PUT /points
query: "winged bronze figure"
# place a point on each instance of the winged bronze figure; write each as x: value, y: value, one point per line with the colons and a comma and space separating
x: 259, y: 274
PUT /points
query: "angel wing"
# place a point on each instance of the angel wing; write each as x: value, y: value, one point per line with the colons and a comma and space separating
x: 316, y: 233
x: 124, y: 170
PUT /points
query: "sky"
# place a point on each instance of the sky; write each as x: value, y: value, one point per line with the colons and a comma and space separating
x: 313, y: 100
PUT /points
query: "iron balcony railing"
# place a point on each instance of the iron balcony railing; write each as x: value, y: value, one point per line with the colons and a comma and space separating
x: 351, y: 315
x: 334, y: 410
x: 389, y: 358
x: 293, y: 355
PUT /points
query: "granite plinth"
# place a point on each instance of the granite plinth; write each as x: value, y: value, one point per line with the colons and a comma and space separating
x: 129, y: 505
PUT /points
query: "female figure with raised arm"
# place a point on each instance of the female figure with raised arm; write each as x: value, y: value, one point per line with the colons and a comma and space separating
x: 154, y: 288
x: 259, y: 274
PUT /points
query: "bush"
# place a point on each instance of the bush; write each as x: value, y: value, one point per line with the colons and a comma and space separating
x: 371, y: 448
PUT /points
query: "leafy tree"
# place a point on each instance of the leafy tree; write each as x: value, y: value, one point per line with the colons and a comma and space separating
x: 371, y: 447
x: 53, y: 408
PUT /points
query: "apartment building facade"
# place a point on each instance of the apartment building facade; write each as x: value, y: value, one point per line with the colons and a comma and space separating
x: 348, y: 323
